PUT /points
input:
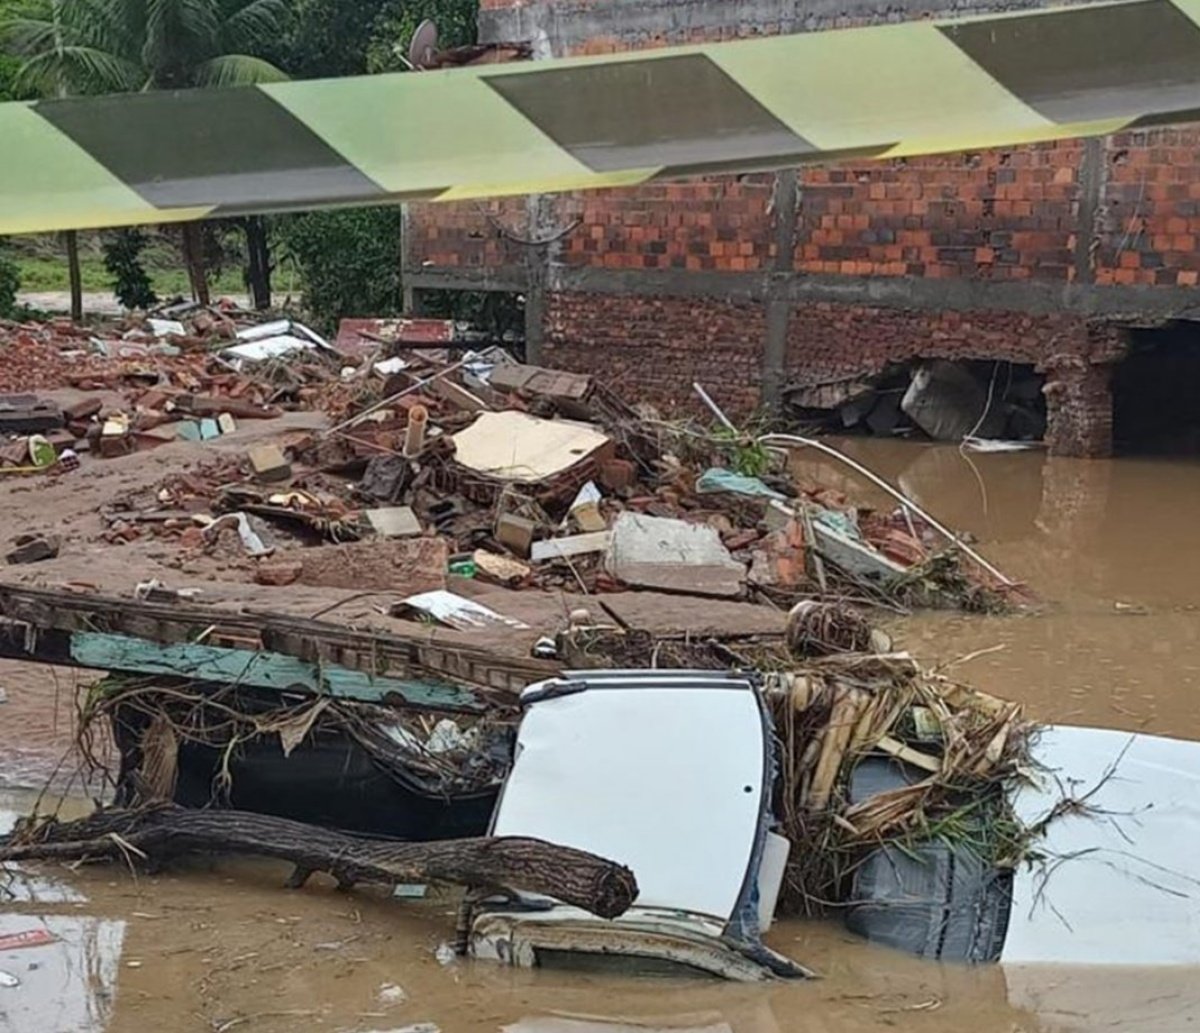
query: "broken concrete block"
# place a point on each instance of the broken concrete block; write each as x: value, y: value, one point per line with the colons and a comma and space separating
x: 269, y: 463
x: 26, y: 414
x: 83, y: 410
x: 226, y: 423
x: 155, y: 436
x: 14, y: 453
x: 515, y: 533
x: 60, y: 439
x: 33, y: 548
x: 673, y: 556
x: 394, y: 522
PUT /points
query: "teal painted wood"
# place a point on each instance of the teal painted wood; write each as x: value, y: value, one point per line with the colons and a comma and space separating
x: 262, y: 670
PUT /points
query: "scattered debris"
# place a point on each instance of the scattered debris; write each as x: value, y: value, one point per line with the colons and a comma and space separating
x: 456, y: 612
x: 33, y: 548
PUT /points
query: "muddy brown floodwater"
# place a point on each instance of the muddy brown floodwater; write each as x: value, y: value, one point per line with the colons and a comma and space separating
x: 223, y: 947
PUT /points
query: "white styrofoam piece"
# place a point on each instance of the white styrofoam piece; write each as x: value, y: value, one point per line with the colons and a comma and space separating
x: 387, y: 367
x: 272, y: 329
x: 264, y: 348
x: 1120, y: 883
x: 167, y: 327
x: 665, y: 780
x: 458, y: 611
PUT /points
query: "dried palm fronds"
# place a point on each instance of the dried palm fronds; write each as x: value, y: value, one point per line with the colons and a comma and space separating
x: 958, y: 746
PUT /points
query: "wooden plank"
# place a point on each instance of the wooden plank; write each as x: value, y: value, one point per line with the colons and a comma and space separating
x: 423, y: 656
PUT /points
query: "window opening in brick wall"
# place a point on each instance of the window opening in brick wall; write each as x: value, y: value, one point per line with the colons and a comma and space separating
x: 1156, y: 392
x: 499, y: 315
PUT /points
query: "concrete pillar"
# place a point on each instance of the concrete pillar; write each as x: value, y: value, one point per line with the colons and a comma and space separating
x: 1079, y: 410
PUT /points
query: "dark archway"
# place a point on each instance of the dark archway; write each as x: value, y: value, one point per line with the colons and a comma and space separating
x: 1156, y: 392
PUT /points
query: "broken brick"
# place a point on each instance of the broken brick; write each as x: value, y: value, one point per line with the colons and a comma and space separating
x: 278, y: 574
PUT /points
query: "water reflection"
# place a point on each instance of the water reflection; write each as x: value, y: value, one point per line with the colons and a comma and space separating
x: 67, y: 986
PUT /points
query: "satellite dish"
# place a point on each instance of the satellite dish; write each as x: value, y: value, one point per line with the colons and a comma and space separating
x: 422, y: 49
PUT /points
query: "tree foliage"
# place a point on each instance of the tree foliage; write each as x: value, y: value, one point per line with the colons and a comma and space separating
x: 348, y: 261
x: 122, y: 258
x: 108, y: 46
x: 329, y: 38
x: 10, y: 281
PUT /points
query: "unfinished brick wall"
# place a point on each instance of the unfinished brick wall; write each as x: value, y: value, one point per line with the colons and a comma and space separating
x: 652, y: 349
x: 1047, y: 219
x: 466, y: 234
x: 703, y: 224
x: 1149, y: 219
x: 990, y: 215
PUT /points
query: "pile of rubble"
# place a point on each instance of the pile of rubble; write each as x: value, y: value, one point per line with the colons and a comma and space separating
x: 449, y: 463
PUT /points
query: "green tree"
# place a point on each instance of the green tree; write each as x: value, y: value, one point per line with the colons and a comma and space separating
x: 348, y: 261
x: 72, y: 47
x: 10, y: 280
x: 456, y: 22
x: 327, y: 38
x: 123, y: 258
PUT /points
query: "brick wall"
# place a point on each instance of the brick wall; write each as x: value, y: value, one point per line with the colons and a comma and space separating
x: 466, y: 234
x: 1119, y: 214
x: 1150, y: 214
x: 652, y: 349
x: 992, y: 215
x: 704, y: 224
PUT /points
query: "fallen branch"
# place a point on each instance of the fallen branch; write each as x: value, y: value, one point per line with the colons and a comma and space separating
x: 163, y: 831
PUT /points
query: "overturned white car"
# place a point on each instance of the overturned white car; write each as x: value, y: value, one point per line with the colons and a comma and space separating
x: 673, y: 773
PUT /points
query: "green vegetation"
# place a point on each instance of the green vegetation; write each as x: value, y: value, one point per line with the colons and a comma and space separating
x: 9, y: 281
x: 42, y: 265
x: 348, y: 261
x: 122, y: 258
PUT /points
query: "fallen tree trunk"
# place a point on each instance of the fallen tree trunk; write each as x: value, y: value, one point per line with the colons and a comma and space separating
x: 163, y: 831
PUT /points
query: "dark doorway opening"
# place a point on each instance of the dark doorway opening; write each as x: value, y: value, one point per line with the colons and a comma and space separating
x: 939, y: 399
x: 1156, y: 392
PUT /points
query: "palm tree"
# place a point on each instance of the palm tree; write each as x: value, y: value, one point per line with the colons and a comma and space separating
x: 72, y: 47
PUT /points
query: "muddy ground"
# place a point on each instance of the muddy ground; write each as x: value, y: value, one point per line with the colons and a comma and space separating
x: 223, y: 947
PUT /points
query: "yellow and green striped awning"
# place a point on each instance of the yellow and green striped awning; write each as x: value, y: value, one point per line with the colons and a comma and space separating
x: 541, y: 127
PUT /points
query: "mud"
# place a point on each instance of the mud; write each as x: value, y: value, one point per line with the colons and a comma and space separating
x: 223, y: 947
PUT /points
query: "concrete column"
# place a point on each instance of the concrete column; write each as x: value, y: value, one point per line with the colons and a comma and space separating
x: 783, y: 210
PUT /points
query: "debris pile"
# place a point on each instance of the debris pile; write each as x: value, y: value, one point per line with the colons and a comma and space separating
x: 539, y: 478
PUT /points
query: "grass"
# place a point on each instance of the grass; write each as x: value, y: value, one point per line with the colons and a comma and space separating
x: 41, y: 273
